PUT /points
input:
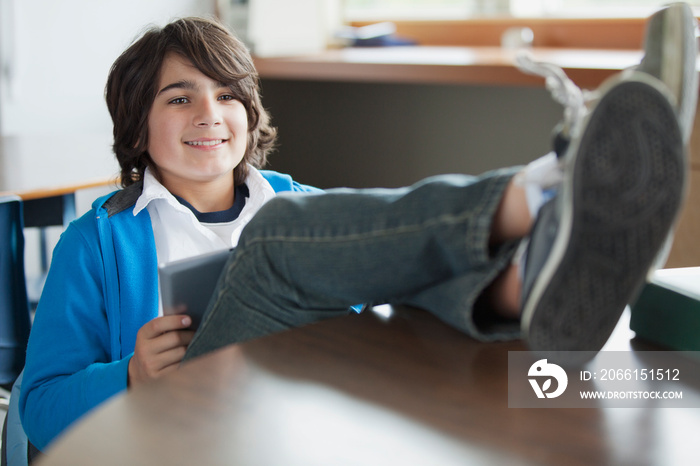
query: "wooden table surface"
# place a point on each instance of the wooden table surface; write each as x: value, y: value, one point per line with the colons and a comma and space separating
x: 445, y: 65
x: 366, y: 390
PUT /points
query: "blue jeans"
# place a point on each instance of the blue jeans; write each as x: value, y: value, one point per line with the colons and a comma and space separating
x: 307, y: 257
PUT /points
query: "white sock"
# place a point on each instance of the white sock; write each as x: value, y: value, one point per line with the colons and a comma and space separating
x: 540, y: 179
x: 520, y: 257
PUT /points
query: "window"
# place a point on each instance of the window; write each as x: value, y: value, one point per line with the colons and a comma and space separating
x: 368, y: 10
x: 364, y: 10
x: 588, y: 8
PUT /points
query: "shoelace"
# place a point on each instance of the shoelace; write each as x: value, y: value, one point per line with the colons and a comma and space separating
x: 560, y: 86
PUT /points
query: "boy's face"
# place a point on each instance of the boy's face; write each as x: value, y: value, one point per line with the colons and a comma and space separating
x: 197, y: 130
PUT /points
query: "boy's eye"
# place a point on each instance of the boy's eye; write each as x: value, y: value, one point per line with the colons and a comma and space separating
x: 178, y: 100
x: 227, y: 97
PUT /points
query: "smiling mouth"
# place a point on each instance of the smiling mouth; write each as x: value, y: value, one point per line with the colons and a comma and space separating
x: 212, y: 142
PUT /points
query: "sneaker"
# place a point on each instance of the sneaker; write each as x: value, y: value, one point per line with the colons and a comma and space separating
x: 670, y: 52
x: 592, y: 244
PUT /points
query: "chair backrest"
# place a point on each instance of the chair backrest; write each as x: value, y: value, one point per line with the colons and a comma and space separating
x: 14, y: 306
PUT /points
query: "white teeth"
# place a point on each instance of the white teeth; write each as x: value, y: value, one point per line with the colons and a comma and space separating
x: 205, y: 143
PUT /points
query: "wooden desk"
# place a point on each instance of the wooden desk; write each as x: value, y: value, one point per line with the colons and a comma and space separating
x: 445, y: 65
x: 53, y: 204
x: 362, y: 390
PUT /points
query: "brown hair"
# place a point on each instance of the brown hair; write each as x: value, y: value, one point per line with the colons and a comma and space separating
x: 133, y: 80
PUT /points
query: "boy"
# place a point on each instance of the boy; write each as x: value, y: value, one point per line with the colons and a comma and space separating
x: 190, y: 133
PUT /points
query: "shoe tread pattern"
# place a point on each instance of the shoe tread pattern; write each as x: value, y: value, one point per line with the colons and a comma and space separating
x: 629, y: 179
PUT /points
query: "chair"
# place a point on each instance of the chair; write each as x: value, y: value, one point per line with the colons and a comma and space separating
x: 14, y: 305
x: 15, y: 319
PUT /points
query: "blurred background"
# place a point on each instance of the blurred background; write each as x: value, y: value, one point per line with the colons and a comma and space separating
x: 55, y: 57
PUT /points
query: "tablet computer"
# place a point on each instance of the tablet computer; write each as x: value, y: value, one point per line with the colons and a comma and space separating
x: 190, y: 283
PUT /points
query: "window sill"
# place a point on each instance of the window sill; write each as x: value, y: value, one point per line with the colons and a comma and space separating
x: 595, y: 33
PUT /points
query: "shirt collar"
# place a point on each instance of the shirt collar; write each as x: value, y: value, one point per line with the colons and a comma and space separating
x: 152, y: 190
x: 260, y: 191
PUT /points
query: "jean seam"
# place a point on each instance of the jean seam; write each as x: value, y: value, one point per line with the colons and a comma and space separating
x: 447, y: 220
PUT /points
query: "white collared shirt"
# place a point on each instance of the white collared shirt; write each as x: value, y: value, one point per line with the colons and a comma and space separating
x: 179, y: 235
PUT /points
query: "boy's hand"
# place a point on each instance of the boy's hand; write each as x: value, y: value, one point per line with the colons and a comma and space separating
x: 160, y: 346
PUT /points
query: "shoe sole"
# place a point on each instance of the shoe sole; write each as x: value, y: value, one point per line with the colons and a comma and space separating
x: 687, y: 82
x: 677, y: 37
x: 674, y: 29
x: 626, y: 182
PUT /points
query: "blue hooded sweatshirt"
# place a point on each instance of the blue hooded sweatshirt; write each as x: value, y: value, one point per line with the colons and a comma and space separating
x: 101, y: 289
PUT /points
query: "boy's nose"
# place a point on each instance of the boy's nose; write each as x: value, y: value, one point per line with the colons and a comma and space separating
x: 207, y: 115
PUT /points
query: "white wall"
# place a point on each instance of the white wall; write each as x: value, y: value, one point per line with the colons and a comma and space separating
x: 54, y: 59
x: 56, y: 56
